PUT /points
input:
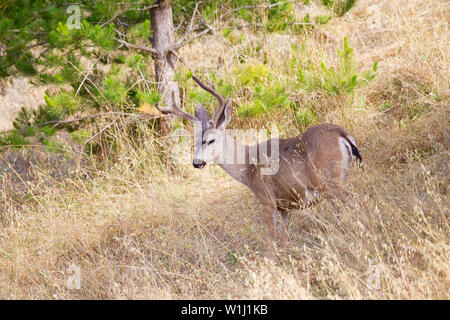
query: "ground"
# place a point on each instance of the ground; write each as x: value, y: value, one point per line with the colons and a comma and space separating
x: 138, y: 229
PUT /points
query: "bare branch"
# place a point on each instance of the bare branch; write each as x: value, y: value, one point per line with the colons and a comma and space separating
x: 85, y: 77
x: 182, y: 43
x: 138, y: 47
x: 261, y: 6
x: 120, y: 12
x: 193, y: 15
x: 237, y: 55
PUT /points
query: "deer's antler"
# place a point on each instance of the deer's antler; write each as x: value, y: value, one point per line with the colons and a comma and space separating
x: 177, y: 111
x: 220, y: 100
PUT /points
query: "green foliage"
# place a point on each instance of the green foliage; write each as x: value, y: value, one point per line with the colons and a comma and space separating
x: 54, y: 145
x: 416, y: 110
x: 253, y: 74
x: 370, y: 74
x: 224, y: 86
x: 140, y: 31
x: 198, y: 95
x: 136, y: 61
x: 46, y: 113
x: 31, y: 23
x: 183, y: 75
x: 265, y: 99
x: 114, y: 90
x: 23, y: 120
x: 151, y: 97
x: 25, y: 64
x: 48, y: 130
x: 103, y: 37
x: 15, y: 139
x: 36, y: 36
x: 252, y: 109
x: 279, y: 17
x: 323, y: 19
x: 341, y: 7
x: 305, y: 117
x: 80, y: 136
x: 64, y: 37
x: 334, y: 80
x: 56, y: 107
x: 272, y: 96
x: 69, y: 70
x: 233, y: 37
x: 63, y: 103
x: 90, y: 58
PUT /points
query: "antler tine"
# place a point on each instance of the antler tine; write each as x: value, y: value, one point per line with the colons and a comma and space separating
x: 210, y: 90
x: 220, y: 99
x: 177, y: 111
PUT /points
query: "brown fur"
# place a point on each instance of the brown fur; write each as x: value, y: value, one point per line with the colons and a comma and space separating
x: 309, y: 166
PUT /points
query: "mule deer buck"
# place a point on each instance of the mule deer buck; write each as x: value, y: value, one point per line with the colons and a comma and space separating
x: 308, y: 166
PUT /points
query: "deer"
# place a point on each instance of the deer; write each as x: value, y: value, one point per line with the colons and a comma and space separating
x: 310, y: 166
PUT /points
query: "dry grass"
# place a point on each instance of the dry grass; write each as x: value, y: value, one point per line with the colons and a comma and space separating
x: 138, y: 232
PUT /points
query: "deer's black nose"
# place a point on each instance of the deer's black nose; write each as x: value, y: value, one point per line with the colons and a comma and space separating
x: 199, y: 163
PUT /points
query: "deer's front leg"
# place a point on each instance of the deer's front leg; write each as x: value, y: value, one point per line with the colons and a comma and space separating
x: 270, y: 215
x: 285, y: 219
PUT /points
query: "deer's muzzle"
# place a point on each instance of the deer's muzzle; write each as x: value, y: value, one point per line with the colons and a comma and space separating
x: 198, y: 163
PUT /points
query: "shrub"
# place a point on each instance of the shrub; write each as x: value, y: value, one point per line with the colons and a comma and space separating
x: 265, y: 99
x: 253, y: 74
x: 334, y: 80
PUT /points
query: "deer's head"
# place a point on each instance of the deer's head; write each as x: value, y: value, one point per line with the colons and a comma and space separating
x: 209, y: 134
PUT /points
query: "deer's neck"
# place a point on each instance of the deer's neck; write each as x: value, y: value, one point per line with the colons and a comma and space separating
x: 235, y: 161
x: 239, y: 172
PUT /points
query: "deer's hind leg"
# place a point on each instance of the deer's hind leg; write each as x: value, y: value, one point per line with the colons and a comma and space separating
x: 270, y: 215
x: 335, y: 192
x: 285, y: 220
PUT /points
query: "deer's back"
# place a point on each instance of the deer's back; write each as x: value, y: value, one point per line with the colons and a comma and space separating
x: 306, y: 164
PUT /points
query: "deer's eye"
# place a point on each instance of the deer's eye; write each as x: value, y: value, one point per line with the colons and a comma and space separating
x: 211, y: 141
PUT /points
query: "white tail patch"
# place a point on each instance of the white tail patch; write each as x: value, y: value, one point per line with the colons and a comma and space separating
x: 352, y: 140
x: 346, y: 151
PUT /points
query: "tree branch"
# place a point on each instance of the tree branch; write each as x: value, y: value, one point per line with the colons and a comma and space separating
x: 138, y: 47
x: 261, y: 6
x: 182, y: 43
x: 120, y: 12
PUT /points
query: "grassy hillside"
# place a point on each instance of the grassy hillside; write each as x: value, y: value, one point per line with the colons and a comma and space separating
x: 139, y: 225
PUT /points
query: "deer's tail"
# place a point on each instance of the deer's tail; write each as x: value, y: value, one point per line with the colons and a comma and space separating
x: 355, y: 151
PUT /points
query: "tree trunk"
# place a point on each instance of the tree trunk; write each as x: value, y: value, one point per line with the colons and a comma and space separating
x: 163, y: 41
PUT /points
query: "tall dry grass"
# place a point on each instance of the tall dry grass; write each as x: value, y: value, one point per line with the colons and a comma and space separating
x: 137, y: 228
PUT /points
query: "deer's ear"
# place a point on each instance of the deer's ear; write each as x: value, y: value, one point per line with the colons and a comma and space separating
x: 202, y: 114
x: 225, y: 117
